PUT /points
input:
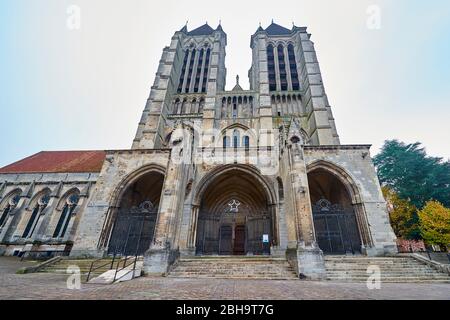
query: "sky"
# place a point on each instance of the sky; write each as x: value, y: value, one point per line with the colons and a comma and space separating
x: 84, y: 89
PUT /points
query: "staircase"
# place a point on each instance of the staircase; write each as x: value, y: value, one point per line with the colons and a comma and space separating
x: 62, y: 266
x: 233, y: 267
x: 393, y: 269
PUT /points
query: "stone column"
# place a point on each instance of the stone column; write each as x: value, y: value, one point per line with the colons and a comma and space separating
x: 309, y: 256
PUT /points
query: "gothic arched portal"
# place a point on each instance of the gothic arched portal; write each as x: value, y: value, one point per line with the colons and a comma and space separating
x: 235, y: 216
x: 135, y: 218
x: 335, y: 220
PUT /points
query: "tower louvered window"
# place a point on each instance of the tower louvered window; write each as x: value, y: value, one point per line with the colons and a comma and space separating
x: 191, y: 67
x: 271, y: 69
x: 293, y: 67
x: 198, y: 72
x: 282, y: 67
x: 183, y: 71
x: 205, y: 72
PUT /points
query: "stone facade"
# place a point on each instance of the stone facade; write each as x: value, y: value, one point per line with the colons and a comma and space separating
x: 257, y: 171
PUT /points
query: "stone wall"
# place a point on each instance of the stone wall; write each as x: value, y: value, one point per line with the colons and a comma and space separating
x: 30, y: 186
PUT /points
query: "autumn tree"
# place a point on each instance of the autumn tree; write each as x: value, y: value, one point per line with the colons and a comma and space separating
x: 435, y: 224
x: 403, y: 216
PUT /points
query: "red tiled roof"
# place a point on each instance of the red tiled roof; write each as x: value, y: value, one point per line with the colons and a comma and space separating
x: 58, y: 162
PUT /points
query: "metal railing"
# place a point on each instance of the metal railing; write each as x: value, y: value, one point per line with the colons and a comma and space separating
x: 92, y: 268
x: 428, y: 253
x: 133, y: 261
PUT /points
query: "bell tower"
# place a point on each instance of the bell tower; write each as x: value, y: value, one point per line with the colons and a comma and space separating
x: 193, y: 65
x: 286, y: 73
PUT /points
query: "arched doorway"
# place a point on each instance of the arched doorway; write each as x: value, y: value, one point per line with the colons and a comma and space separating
x: 136, y: 215
x: 235, y: 216
x: 335, y: 221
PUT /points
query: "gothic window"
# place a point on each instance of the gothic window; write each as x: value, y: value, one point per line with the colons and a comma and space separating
x: 293, y: 67
x: 246, y: 142
x: 205, y: 71
x: 183, y: 107
x: 199, y: 70
x: 66, y: 214
x: 282, y: 66
x: 280, y: 189
x: 224, y: 108
x: 201, y: 105
x: 189, y: 71
x: 235, y: 108
x: 183, y: 71
x: 176, y: 106
x: 271, y: 69
x: 193, y: 106
x: 10, y: 205
x: 35, y: 215
x: 226, y: 142
x: 236, y: 138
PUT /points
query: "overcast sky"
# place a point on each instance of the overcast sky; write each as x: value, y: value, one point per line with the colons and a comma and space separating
x: 64, y: 89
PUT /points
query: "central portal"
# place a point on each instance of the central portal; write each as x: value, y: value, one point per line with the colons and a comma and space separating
x: 235, y: 217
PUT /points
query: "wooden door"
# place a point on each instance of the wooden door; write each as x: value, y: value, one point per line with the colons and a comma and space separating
x: 239, y: 240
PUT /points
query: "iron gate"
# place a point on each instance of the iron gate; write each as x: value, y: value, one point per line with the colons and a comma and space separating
x: 336, y: 228
x: 133, y: 230
x: 215, y: 232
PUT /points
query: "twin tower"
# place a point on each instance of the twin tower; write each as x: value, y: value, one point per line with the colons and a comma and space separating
x: 285, y: 82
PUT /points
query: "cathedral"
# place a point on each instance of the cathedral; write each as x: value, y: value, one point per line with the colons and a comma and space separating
x: 211, y: 172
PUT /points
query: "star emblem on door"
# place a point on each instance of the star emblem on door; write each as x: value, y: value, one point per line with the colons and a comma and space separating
x: 234, y: 206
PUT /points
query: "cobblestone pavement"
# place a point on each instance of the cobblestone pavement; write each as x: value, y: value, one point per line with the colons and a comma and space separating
x: 53, y: 286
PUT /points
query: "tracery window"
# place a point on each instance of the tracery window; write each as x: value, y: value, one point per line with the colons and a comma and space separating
x: 10, y: 205
x: 236, y: 138
x: 67, y: 211
x: 40, y: 205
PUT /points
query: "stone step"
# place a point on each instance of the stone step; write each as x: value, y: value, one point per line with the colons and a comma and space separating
x: 393, y: 269
x: 391, y: 278
x: 364, y: 268
x: 234, y: 277
x: 395, y: 280
x: 389, y: 275
x: 349, y: 263
x: 233, y: 268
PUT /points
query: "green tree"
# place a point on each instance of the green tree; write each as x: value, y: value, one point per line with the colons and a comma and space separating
x: 403, y: 216
x: 414, y: 176
x: 435, y: 224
